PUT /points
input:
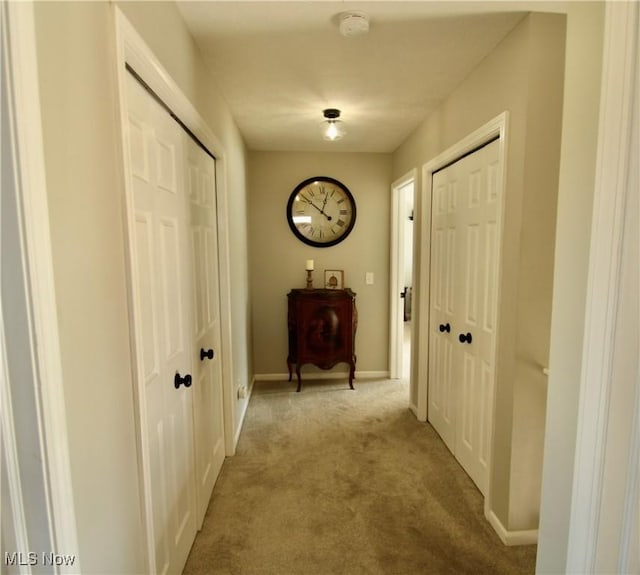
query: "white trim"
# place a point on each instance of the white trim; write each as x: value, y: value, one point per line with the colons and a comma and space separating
x: 629, y: 548
x: 511, y: 538
x: 396, y: 337
x: 231, y: 425
x: 134, y: 322
x: 414, y: 409
x: 9, y: 460
x: 8, y: 440
x: 313, y: 375
x: 498, y: 126
x: 32, y: 192
x: 630, y: 528
x: 133, y: 50
x: 420, y: 408
x: 611, y: 190
x: 243, y: 413
x: 139, y: 56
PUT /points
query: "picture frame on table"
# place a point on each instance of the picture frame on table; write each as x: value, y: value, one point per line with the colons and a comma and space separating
x: 334, y: 279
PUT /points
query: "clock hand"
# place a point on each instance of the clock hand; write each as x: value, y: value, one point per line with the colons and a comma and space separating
x: 324, y: 205
x: 316, y: 207
x: 310, y: 203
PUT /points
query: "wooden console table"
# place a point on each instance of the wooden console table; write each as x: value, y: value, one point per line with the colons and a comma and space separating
x: 322, y: 329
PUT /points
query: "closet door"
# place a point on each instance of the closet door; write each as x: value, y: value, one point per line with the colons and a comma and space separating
x: 162, y: 304
x: 466, y: 369
x: 477, y: 304
x: 208, y: 414
x: 444, y: 245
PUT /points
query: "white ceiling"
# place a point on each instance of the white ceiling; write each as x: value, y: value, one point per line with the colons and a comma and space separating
x: 279, y: 64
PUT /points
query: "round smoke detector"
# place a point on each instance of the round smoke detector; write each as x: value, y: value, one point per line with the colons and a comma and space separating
x: 354, y: 24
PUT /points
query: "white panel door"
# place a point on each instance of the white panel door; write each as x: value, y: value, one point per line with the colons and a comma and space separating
x: 163, y: 326
x: 444, y: 241
x: 475, y: 321
x: 207, y: 373
x: 469, y: 277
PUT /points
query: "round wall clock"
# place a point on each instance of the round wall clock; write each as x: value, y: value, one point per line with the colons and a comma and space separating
x: 321, y: 211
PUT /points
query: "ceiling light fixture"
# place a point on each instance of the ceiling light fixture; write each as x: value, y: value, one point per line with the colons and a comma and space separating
x: 354, y: 24
x: 332, y: 127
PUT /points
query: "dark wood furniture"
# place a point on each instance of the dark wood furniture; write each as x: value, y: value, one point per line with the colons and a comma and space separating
x: 322, y: 329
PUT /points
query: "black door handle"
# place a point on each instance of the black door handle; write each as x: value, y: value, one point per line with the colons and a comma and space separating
x: 178, y: 381
x: 445, y: 327
x: 208, y: 354
x: 465, y: 338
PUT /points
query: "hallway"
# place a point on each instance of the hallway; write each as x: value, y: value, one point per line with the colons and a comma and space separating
x: 567, y: 100
x: 332, y: 481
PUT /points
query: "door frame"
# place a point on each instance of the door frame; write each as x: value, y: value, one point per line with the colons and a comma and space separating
x: 132, y: 49
x: 46, y: 416
x: 397, y: 259
x: 597, y: 436
x: 497, y: 127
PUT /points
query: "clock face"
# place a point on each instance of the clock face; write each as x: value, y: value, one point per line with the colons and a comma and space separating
x: 321, y: 211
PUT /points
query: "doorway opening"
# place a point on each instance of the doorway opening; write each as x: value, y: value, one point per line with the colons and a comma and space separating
x: 402, y: 274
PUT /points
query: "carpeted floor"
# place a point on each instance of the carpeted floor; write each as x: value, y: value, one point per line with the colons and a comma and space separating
x: 333, y: 481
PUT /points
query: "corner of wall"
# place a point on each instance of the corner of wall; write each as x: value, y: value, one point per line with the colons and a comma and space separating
x: 535, y: 274
x: 583, y: 63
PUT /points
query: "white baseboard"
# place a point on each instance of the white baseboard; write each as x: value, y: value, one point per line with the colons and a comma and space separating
x: 312, y: 375
x: 511, y: 538
x: 272, y: 377
x: 243, y: 413
x: 414, y: 409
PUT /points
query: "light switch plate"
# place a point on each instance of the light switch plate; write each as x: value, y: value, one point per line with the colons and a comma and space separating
x: 368, y: 278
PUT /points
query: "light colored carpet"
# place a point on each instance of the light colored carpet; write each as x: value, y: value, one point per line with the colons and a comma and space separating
x: 333, y: 481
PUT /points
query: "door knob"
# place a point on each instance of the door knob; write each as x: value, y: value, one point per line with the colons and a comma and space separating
x: 208, y: 354
x: 178, y: 381
x: 445, y: 327
x: 465, y: 337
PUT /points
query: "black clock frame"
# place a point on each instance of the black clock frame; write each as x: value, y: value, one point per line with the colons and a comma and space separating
x: 294, y: 228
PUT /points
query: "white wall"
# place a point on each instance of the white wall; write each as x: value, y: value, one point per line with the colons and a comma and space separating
x: 75, y: 44
x: 582, y: 71
x: 278, y: 257
x: 523, y: 76
x: 575, y: 203
x: 76, y: 53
